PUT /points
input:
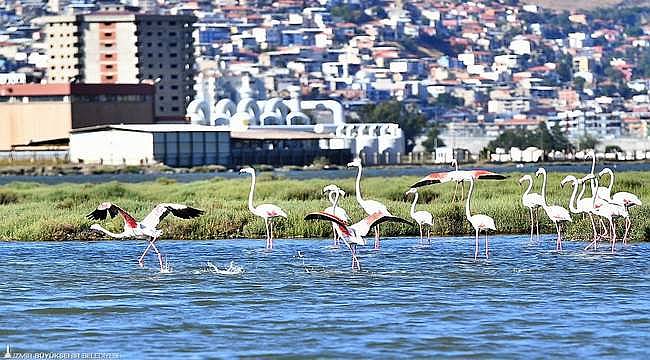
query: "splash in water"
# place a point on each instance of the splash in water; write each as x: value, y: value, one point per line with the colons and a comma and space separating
x: 232, y: 269
x: 167, y: 267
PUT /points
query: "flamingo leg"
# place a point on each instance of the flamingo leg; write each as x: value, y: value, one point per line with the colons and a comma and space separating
x: 486, y: 244
x: 453, y: 199
x: 557, y: 241
x: 613, y: 230
x: 532, y: 223
x: 355, y: 261
x: 271, y: 234
x: 537, y: 221
x: 159, y: 254
x: 377, y: 241
x: 429, y: 235
x: 593, y: 227
x: 421, y: 234
x: 628, y: 223
x: 476, y: 246
x: 141, y: 259
x: 268, y: 236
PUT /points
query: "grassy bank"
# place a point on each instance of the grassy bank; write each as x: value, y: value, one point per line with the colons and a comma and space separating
x: 30, y: 211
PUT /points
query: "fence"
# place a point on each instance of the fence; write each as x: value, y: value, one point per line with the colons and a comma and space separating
x: 33, y: 155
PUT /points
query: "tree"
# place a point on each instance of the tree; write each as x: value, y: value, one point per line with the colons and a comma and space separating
x: 410, y: 119
x: 613, y: 148
x: 433, y: 139
x: 587, y: 142
x: 541, y: 138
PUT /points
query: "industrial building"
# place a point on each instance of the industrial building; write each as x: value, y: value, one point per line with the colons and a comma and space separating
x: 176, y: 145
x: 33, y: 114
x: 115, y: 45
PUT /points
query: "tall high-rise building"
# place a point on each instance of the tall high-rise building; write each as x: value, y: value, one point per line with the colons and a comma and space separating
x: 115, y: 45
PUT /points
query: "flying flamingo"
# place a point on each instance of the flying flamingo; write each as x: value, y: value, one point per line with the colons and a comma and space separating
x: 557, y: 214
x: 266, y: 211
x: 533, y: 201
x: 479, y: 222
x: 333, y: 193
x: 581, y: 205
x: 145, y: 229
x: 421, y: 217
x: 369, y: 206
x: 458, y: 176
x: 352, y: 235
x: 622, y: 198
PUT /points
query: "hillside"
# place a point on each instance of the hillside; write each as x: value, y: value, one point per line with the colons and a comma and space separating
x: 585, y: 4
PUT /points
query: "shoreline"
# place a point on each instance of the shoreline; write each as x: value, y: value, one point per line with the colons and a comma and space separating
x: 35, y: 212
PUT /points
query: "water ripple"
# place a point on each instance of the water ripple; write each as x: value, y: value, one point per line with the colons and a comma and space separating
x: 422, y: 301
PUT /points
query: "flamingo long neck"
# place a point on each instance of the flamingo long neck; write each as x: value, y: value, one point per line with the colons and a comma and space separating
x: 593, y: 167
x: 251, y: 193
x: 415, y: 200
x: 358, y: 187
x: 544, y: 188
x: 594, y: 192
x: 469, y: 196
x: 611, y: 181
x: 333, y: 201
x: 530, y: 187
x: 336, y: 201
x: 572, y: 201
x: 111, y: 234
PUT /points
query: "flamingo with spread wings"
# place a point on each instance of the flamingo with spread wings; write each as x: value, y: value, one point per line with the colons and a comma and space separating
x: 268, y: 212
x: 369, y: 206
x: 459, y: 176
x: 352, y: 235
x: 145, y: 229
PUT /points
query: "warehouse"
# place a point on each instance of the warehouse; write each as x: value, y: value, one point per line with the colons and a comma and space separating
x: 177, y: 145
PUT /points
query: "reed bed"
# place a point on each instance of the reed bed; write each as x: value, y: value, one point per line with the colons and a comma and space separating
x: 35, y: 212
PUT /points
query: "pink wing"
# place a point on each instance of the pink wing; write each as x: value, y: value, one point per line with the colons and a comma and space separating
x: 321, y: 215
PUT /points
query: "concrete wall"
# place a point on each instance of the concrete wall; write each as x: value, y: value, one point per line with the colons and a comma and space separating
x: 112, y: 147
x: 21, y: 123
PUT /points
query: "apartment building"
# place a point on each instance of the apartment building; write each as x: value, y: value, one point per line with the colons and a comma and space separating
x: 116, y: 45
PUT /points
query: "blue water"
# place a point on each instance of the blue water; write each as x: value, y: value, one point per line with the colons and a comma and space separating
x: 422, y: 170
x: 526, y: 301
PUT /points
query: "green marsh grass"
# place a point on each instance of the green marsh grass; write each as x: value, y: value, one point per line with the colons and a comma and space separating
x: 32, y: 211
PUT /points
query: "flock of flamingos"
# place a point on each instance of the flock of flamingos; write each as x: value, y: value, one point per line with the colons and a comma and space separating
x: 600, y: 207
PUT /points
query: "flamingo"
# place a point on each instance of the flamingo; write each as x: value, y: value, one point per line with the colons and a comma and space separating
x: 606, y: 210
x: 533, y: 201
x: 556, y: 213
x: 369, y: 206
x: 333, y: 193
x: 581, y: 205
x: 459, y: 176
x: 145, y: 229
x: 352, y: 235
x: 268, y: 212
x: 421, y: 217
x: 622, y: 198
x: 479, y: 222
x: 602, y: 191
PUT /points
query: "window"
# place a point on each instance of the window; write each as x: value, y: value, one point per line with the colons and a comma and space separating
x: 175, y: 108
x: 148, y: 44
x: 161, y: 108
x: 109, y: 66
x: 161, y: 98
x: 149, y: 55
x: 172, y: 23
x: 174, y: 97
x: 109, y: 45
x: 172, y: 33
x: 150, y: 66
x: 173, y: 66
x: 160, y: 45
x: 109, y: 56
x: 109, y: 77
x: 173, y: 55
x: 108, y: 34
x: 149, y: 33
x: 174, y: 76
x: 174, y: 87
